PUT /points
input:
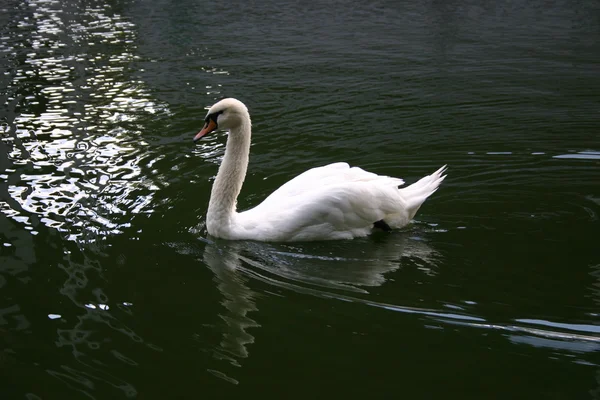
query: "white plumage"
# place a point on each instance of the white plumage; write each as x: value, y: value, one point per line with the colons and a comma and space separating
x: 335, y: 201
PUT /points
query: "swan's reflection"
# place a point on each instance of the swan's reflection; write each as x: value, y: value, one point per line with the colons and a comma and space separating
x: 332, y: 270
x: 310, y: 268
x: 238, y: 300
x: 349, y: 265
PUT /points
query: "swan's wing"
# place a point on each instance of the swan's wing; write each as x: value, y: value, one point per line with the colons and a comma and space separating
x: 307, y: 179
x: 337, y: 211
x: 320, y: 178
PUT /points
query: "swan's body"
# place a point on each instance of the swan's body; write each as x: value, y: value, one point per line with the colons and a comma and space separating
x: 331, y: 202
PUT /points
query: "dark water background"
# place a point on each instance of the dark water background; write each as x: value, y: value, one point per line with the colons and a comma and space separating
x: 109, y: 287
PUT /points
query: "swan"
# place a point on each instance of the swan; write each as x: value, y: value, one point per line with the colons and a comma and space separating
x: 335, y: 201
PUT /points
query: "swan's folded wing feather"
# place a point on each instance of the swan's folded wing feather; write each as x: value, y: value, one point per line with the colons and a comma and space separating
x: 321, y: 178
x: 308, y: 178
x: 336, y: 211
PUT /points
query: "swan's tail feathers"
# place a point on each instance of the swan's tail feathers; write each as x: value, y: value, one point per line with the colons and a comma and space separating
x: 415, y: 194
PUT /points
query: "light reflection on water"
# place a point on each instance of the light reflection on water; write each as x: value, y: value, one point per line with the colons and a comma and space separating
x: 75, y: 143
x: 73, y: 136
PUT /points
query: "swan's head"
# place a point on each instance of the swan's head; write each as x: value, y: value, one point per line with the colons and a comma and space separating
x: 225, y: 114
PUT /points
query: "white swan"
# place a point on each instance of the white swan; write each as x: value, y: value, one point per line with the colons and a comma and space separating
x: 331, y: 202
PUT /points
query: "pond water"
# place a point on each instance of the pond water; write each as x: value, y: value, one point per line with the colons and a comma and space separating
x: 111, y: 288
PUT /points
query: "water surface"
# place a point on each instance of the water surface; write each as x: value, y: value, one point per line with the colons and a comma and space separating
x: 111, y: 288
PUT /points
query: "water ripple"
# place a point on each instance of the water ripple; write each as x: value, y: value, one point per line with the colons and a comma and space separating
x: 581, y: 155
x: 309, y: 269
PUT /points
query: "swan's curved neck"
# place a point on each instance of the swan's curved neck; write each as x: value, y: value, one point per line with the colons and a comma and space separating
x: 229, y: 180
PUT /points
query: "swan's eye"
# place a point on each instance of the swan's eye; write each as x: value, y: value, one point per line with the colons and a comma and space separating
x: 213, y: 116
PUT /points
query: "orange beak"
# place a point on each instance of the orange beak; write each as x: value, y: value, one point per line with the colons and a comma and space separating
x: 208, y: 128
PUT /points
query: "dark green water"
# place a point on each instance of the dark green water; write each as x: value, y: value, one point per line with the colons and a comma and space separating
x: 109, y: 287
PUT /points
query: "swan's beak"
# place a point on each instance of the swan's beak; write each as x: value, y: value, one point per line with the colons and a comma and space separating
x: 208, y: 128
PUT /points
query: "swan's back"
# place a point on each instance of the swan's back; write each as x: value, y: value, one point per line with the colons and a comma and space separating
x: 327, y: 176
